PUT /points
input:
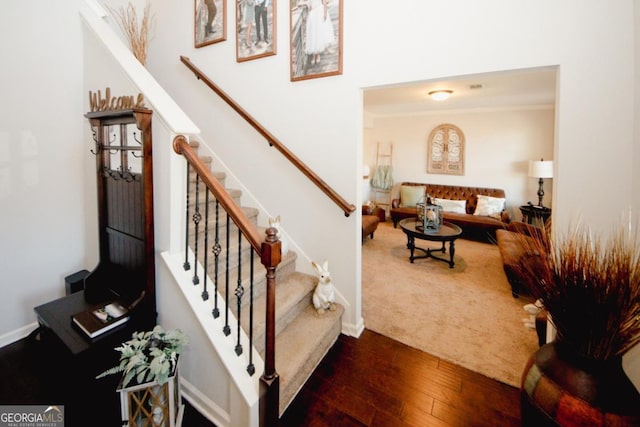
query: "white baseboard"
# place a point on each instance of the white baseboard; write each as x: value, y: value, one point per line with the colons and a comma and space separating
x: 353, y: 330
x: 204, y: 405
x: 17, y: 335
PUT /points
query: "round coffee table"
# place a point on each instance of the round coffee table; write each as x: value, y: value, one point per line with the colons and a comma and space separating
x: 446, y: 233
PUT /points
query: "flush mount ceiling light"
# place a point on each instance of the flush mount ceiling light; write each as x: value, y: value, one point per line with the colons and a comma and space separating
x: 440, y: 95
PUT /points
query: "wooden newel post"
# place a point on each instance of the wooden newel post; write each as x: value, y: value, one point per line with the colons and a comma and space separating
x: 270, y: 382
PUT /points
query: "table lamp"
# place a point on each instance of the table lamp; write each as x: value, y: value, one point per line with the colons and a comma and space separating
x: 366, y: 171
x: 540, y: 169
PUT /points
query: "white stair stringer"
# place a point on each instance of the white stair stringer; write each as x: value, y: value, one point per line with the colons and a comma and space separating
x: 224, y: 345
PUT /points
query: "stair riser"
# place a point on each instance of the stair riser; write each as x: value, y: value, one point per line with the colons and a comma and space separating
x: 192, y: 182
x: 229, y: 257
x: 259, y: 280
x: 211, y: 228
x: 202, y: 201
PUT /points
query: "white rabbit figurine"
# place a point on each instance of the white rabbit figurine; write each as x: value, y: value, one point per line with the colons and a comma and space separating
x: 324, y: 297
x: 275, y: 223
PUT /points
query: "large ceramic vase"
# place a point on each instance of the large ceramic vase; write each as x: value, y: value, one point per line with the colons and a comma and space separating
x: 563, y: 388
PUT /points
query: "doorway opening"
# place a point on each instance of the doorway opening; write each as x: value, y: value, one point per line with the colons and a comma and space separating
x: 466, y: 315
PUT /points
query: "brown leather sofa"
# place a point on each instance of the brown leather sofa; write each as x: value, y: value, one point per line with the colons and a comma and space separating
x: 469, y: 222
x: 510, y: 241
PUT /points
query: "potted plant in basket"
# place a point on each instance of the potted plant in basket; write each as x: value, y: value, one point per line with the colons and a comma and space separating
x: 150, y: 390
x: 590, y: 288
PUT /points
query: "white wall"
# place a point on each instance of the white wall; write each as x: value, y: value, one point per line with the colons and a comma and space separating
x: 498, y: 147
x: 43, y: 227
x: 636, y: 145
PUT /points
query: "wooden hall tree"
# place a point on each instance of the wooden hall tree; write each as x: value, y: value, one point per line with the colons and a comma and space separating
x: 124, y: 172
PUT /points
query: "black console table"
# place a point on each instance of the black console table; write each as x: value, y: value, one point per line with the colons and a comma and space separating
x: 56, y: 316
x: 529, y: 212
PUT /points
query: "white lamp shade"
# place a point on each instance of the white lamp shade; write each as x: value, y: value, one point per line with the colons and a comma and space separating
x: 541, y: 168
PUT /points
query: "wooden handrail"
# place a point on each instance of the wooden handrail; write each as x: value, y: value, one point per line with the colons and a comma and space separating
x: 181, y: 146
x: 346, y: 207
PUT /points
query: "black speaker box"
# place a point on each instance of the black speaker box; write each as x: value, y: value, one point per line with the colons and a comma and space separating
x: 75, y: 282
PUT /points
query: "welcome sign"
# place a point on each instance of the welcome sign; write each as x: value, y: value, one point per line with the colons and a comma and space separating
x: 97, y: 102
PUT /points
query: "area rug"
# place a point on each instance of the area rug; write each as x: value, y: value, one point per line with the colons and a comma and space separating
x: 465, y: 315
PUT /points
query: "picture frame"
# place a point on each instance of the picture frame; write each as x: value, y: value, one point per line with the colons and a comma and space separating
x: 316, y: 42
x: 210, y: 23
x: 255, y: 29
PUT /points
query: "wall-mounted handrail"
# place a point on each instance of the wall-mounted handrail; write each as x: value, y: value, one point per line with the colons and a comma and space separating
x: 346, y: 207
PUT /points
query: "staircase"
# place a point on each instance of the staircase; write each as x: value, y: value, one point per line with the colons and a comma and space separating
x: 302, y: 336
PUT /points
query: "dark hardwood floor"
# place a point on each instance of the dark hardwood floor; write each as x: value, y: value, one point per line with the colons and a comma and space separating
x: 370, y: 381
x: 376, y: 381
x: 39, y: 370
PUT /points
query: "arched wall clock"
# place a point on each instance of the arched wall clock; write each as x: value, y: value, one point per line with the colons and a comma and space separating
x: 445, y: 152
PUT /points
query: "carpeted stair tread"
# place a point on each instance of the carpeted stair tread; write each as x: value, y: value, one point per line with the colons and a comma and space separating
x: 284, y: 270
x: 208, y: 161
x: 293, y: 295
x: 301, y: 346
x: 251, y: 213
x: 202, y: 194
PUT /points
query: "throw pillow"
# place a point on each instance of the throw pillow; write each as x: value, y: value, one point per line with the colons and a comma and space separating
x: 489, y: 206
x: 456, y: 206
x: 410, y: 195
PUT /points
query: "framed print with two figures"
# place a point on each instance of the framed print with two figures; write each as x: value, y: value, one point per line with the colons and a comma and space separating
x: 255, y: 29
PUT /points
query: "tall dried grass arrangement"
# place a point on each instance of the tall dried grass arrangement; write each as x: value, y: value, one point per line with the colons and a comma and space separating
x: 590, y: 287
x: 138, y: 34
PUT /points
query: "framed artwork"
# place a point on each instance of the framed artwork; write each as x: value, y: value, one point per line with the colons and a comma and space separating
x: 210, y: 24
x: 255, y: 29
x: 316, y: 38
x: 445, y: 151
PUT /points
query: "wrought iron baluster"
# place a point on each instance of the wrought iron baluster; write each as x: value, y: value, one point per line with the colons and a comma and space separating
x: 239, y: 293
x: 205, y: 293
x: 251, y: 369
x: 196, y: 222
x: 186, y: 264
x: 227, y: 329
x: 216, y: 252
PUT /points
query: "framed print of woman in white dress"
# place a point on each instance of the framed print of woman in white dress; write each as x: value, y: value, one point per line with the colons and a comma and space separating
x: 316, y: 38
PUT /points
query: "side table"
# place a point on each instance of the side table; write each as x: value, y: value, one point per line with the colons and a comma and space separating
x: 529, y: 212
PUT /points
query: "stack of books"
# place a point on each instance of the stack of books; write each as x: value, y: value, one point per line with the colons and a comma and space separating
x: 99, y: 320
